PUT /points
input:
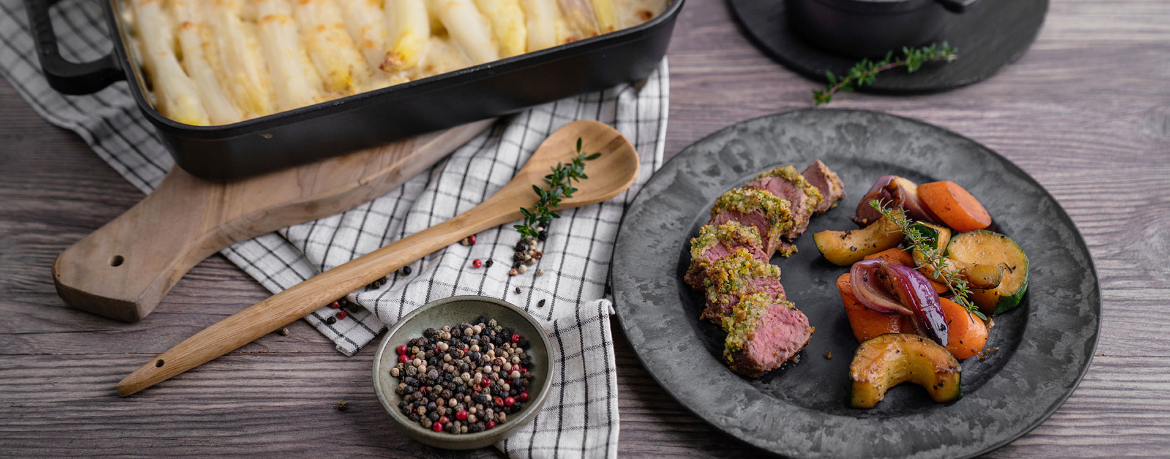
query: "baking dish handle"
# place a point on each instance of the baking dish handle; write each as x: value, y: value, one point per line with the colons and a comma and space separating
x: 64, y: 76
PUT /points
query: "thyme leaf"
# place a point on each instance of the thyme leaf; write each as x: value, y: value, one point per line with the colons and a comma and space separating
x: 560, y: 185
x: 866, y: 71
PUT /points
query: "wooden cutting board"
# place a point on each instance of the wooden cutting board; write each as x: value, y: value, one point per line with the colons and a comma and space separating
x: 123, y: 269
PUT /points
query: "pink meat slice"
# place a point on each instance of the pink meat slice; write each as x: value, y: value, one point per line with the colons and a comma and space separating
x: 827, y: 182
x: 772, y: 239
x: 781, y: 333
x: 719, y: 305
x: 705, y: 252
x: 798, y: 202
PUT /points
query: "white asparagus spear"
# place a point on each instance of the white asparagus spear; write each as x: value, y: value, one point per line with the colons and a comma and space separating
x: 606, y: 13
x: 469, y: 29
x: 410, y: 28
x: 243, y: 65
x: 507, y: 18
x: 192, y: 33
x: 295, y: 80
x: 579, y: 17
x: 367, y: 27
x: 336, y: 57
x: 540, y: 16
x: 175, y: 93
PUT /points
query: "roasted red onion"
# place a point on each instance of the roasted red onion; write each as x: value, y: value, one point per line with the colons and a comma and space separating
x: 866, y: 287
x: 892, y: 190
x: 915, y: 291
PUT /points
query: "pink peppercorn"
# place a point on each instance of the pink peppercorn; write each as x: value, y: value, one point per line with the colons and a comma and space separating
x: 498, y: 401
x: 509, y: 401
x: 471, y: 240
x: 402, y: 349
x: 477, y: 263
x: 402, y: 359
x: 437, y: 427
x: 341, y: 315
x: 524, y: 396
x: 461, y: 415
x: 515, y: 338
x: 486, y: 382
x: 491, y: 424
x: 334, y: 305
x: 444, y: 420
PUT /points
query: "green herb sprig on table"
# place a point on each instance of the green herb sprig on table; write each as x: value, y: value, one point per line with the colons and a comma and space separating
x: 933, y: 256
x: 865, y: 72
x: 560, y: 186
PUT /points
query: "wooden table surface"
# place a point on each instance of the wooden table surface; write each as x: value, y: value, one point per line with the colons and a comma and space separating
x: 1086, y: 111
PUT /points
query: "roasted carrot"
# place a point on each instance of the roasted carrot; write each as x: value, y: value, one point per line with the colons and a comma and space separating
x: 896, y: 256
x: 954, y: 206
x: 966, y: 334
x: 867, y: 323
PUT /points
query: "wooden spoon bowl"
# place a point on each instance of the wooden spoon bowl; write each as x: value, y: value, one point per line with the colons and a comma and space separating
x: 609, y: 175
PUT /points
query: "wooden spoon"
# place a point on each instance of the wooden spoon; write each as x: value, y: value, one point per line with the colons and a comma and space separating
x: 610, y: 174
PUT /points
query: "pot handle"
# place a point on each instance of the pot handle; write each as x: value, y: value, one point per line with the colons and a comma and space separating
x: 956, y: 6
x: 64, y: 76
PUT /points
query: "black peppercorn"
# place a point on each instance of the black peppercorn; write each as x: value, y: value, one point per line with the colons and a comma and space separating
x: 542, y: 235
x: 489, y: 263
x: 405, y: 270
x: 330, y: 320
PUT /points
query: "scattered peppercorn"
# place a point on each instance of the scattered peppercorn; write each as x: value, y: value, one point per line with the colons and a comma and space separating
x: 378, y: 283
x: 540, y: 304
x: 517, y: 289
x: 341, y: 315
x: 489, y: 263
x: 405, y: 270
x: 284, y: 332
x: 463, y: 379
x: 539, y: 272
x: 476, y: 263
x: 342, y: 405
x: 513, y: 272
x: 330, y: 320
x: 335, y: 305
x: 471, y: 240
x: 828, y: 355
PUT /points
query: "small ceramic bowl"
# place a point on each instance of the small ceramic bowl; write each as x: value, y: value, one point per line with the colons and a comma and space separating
x: 453, y: 311
x: 870, y: 28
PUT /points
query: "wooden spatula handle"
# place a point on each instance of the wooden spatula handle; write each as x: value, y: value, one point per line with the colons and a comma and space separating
x: 300, y: 300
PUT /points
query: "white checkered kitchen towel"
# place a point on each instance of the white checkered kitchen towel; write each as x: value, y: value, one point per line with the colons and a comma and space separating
x: 580, y: 418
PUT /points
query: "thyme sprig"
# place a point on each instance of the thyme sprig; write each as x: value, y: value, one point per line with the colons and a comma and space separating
x: 560, y: 186
x: 865, y: 72
x: 933, y: 256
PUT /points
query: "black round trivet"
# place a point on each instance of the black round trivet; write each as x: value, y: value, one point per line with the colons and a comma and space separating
x: 989, y: 36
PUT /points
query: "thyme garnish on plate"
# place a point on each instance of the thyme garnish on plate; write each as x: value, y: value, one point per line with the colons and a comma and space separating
x: 933, y: 256
x: 560, y: 186
x: 865, y: 72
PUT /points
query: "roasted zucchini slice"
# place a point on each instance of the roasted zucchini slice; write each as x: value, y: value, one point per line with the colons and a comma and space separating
x: 993, y: 249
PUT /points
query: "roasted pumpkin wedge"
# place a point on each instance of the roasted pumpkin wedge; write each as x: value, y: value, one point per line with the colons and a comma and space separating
x: 843, y: 248
x: 993, y: 249
x: 885, y: 361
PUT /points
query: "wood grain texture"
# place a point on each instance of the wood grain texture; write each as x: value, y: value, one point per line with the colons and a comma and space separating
x: 1086, y: 112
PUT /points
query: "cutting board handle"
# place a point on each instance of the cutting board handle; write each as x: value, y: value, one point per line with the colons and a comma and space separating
x: 125, y: 268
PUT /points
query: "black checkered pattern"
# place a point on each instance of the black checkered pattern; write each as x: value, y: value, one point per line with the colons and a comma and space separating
x: 580, y: 418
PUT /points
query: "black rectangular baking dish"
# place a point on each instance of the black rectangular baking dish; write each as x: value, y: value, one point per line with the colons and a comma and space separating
x: 368, y: 119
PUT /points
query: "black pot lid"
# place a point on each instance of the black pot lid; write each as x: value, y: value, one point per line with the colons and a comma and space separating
x: 1044, y: 346
x: 989, y: 35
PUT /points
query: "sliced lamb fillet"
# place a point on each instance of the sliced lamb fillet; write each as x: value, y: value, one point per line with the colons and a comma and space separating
x: 763, y: 332
x: 786, y: 183
x: 758, y: 208
x: 717, y: 241
x: 735, y: 276
x: 827, y: 182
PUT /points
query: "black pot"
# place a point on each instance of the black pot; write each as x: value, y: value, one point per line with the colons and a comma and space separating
x: 870, y: 28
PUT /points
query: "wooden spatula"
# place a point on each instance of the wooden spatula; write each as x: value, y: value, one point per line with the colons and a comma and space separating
x: 610, y: 174
x: 123, y: 269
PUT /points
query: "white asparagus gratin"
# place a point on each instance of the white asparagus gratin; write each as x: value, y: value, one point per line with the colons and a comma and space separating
x: 215, y: 62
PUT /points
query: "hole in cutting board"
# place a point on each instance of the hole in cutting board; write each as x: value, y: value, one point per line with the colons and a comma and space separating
x: 117, y: 261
